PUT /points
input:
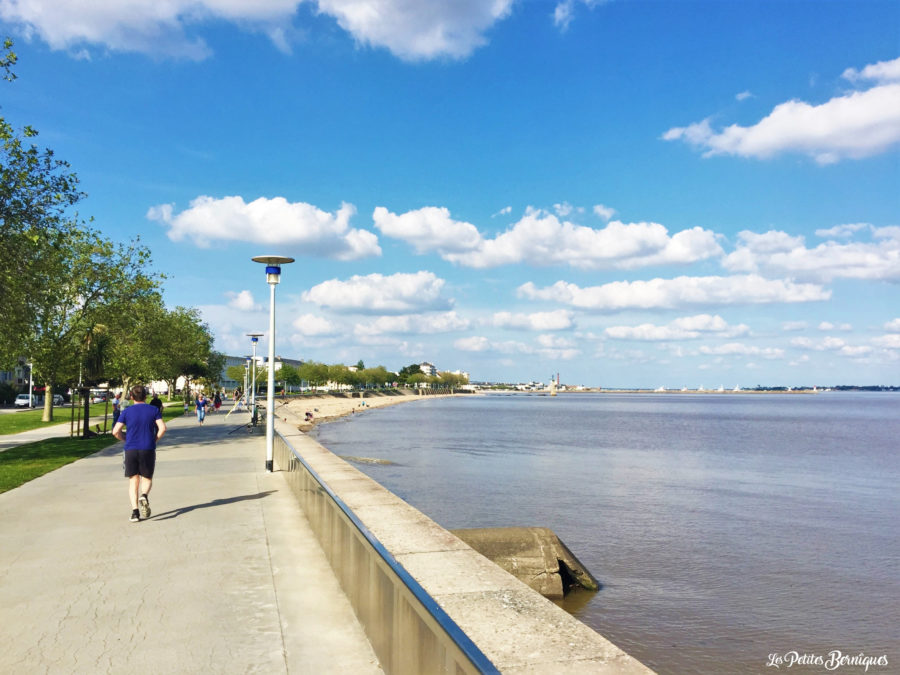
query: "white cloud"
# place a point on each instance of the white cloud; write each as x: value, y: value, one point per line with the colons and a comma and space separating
x: 444, y: 322
x: 566, y: 209
x: 505, y: 211
x: 604, y: 212
x: 743, y: 96
x: 893, y: 326
x: 793, y: 325
x: 560, y: 319
x: 562, y: 14
x: 832, y: 344
x: 476, y: 343
x: 778, y: 253
x: 540, y: 238
x: 843, y: 231
x: 428, y: 229
x: 856, y: 125
x: 269, y: 221
x: 890, y: 341
x: 424, y: 29
x: 740, y: 349
x: 311, y: 325
x: 677, y: 293
x: 378, y: 294
x: 158, y: 28
x: 883, y: 71
x: 827, y: 325
x: 684, y: 328
x: 242, y: 301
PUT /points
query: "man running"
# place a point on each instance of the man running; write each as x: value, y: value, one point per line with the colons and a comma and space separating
x: 144, y: 428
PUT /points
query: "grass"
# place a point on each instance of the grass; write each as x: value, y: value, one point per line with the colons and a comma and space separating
x: 26, y: 420
x: 26, y: 462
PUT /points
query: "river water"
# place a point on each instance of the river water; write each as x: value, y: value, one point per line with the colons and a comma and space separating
x: 724, y: 528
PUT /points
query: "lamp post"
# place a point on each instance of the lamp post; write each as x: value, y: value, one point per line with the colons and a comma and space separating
x: 30, y: 384
x: 273, y: 265
x: 254, y: 339
x: 246, y: 378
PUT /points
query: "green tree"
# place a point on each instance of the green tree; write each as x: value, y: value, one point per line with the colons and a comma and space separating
x: 289, y: 375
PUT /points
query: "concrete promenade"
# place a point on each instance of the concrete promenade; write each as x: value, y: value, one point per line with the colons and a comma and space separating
x: 225, y: 576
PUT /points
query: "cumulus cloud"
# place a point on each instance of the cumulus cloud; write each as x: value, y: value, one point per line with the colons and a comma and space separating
x: 475, y: 343
x: 852, y: 126
x: 832, y: 344
x: 779, y: 253
x: 827, y: 325
x: 890, y: 341
x: 793, y: 326
x: 560, y: 319
x: 425, y: 324
x: 425, y: 29
x: 379, y: 294
x: 684, y: 328
x: 843, y: 231
x: 311, y: 325
x: 269, y: 221
x: 604, y: 212
x: 540, y: 238
x: 680, y: 292
x: 740, y: 349
x: 242, y: 301
x: 893, y: 326
x: 428, y: 229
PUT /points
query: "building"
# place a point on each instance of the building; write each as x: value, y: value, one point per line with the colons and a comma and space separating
x: 428, y: 369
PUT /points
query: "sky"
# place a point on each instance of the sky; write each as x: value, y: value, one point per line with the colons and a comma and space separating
x: 627, y: 193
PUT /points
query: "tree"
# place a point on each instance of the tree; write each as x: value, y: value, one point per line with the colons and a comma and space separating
x: 408, y: 371
x: 289, y: 375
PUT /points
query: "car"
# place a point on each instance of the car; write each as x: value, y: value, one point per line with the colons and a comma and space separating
x: 58, y: 399
x: 23, y: 401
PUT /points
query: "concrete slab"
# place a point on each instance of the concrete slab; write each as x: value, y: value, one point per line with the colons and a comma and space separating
x: 225, y: 576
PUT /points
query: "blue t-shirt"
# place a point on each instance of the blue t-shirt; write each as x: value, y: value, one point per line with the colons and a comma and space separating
x: 140, y: 420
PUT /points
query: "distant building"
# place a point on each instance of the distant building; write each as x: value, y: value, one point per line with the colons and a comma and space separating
x: 428, y: 369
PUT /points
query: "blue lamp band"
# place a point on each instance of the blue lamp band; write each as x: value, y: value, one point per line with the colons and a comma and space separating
x: 273, y: 269
x: 254, y: 339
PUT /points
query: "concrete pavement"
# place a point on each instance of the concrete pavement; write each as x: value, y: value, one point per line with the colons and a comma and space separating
x: 226, y: 575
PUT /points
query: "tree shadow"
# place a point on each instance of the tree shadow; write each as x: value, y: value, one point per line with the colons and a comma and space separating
x: 167, y: 515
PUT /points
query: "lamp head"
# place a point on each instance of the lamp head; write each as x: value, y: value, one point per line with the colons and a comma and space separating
x: 273, y: 265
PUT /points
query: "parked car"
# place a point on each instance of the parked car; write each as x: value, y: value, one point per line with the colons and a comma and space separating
x: 58, y: 399
x: 23, y: 401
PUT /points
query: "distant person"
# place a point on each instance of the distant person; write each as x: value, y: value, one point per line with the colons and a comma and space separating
x: 217, y: 402
x: 156, y: 402
x: 200, y: 406
x: 144, y: 426
x: 117, y: 407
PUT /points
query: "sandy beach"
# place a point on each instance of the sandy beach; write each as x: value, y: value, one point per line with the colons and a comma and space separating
x: 327, y: 407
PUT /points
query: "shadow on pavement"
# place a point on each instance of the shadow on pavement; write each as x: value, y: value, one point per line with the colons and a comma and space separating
x: 215, y: 502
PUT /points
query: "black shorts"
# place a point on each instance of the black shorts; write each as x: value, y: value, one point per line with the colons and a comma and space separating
x: 141, y: 462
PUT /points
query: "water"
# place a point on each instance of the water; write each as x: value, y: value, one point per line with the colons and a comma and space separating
x: 723, y: 528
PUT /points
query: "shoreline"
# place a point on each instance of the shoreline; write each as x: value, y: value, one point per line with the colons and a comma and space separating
x: 327, y: 407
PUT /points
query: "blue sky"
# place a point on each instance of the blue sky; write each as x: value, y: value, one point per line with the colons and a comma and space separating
x: 627, y: 193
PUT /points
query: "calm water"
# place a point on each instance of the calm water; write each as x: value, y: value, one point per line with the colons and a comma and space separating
x: 723, y: 528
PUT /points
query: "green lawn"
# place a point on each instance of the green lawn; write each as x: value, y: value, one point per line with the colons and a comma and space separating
x: 26, y: 462
x: 25, y: 420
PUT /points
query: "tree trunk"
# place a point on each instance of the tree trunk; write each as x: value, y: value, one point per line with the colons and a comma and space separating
x: 86, y: 398
x: 48, y: 401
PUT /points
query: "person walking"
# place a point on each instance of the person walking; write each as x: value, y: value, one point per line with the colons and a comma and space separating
x: 156, y: 402
x: 217, y: 402
x: 144, y: 427
x: 117, y: 407
x: 201, y: 408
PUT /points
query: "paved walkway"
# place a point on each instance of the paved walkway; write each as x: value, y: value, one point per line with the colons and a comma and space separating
x: 226, y: 576
x: 64, y: 428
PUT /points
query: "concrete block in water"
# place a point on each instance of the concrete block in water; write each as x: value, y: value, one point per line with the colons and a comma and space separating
x: 534, y: 555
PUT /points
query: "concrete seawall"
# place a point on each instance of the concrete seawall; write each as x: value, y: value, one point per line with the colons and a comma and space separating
x: 427, y: 601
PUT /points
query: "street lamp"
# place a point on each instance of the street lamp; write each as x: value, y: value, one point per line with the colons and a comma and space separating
x: 273, y: 265
x: 246, y: 379
x: 254, y: 339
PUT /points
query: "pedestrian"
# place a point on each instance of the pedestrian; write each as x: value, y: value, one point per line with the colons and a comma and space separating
x: 156, y: 402
x: 217, y: 402
x: 144, y: 427
x: 117, y: 407
x: 201, y: 408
